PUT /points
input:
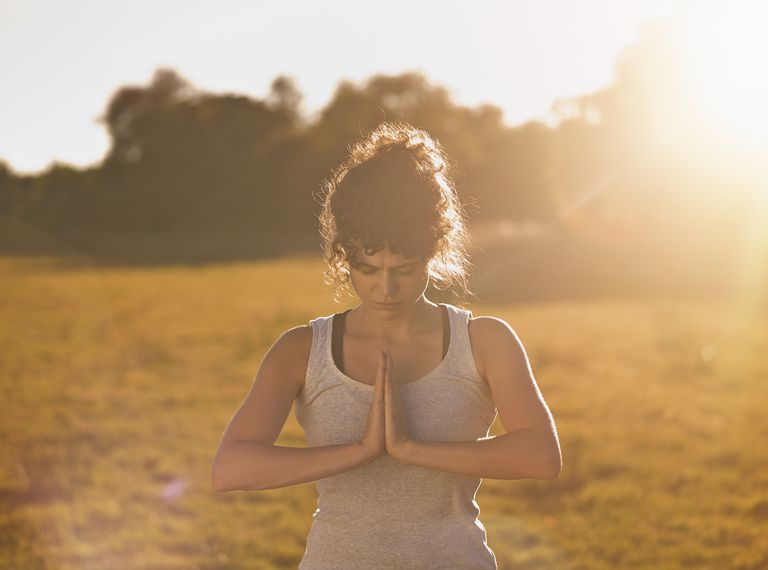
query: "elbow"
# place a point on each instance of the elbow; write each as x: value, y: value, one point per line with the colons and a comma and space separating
x: 553, y: 466
x: 552, y: 473
x: 227, y: 473
x: 218, y: 478
x: 552, y: 459
x: 224, y: 479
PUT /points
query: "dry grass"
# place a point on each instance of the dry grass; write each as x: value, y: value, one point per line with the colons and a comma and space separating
x: 115, y: 385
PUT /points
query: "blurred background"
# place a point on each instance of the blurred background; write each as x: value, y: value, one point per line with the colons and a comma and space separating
x: 160, y: 171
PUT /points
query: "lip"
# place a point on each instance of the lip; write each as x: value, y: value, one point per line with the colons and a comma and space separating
x: 387, y: 305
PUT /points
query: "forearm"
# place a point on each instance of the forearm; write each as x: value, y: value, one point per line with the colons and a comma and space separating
x: 253, y: 465
x: 521, y: 454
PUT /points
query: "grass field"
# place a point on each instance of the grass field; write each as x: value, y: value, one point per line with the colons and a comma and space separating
x: 116, y: 384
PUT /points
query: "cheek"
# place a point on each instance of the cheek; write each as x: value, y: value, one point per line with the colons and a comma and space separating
x: 359, y: 282
x: 417, y: 283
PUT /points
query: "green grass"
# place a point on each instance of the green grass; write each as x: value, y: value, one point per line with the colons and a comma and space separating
x: 116, y: 384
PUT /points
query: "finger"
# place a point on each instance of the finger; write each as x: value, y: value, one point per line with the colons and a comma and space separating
x: 383, y: 379
x: 380, y: 374
x: 390, y: 371
x: 382, y: 365
x: 388, y: 378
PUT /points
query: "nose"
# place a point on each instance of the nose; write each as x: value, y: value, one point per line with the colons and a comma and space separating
x: 388, y: 284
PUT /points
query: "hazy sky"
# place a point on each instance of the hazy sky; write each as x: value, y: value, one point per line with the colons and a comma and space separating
x: 61, y: 60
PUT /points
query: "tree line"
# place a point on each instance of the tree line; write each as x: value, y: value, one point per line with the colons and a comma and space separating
x: 631, y: 166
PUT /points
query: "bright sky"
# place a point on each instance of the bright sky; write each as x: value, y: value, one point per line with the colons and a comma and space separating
x: 61, y: 61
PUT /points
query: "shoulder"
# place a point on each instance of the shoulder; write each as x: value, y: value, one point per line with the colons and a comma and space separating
x: 492, y: 337
x: 291, y: 351
x: 297, y: 337
x: 487, y: 328
x: 295, y: 342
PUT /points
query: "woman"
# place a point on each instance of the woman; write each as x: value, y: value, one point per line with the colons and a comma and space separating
x: 397, y: 395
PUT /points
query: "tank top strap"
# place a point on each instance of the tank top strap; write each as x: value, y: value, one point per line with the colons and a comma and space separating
x: 460, y: 349
x: 321, y: 375
x: 317, y: 367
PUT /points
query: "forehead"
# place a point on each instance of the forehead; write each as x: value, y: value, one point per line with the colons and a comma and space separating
x: 382, y: 257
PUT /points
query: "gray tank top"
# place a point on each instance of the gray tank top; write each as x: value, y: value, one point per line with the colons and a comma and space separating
x: 390, y: 514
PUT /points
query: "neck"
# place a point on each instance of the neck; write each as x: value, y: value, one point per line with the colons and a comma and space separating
x: 395, y: 326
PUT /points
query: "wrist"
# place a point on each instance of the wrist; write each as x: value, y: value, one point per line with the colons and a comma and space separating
x: 406, y: 450
x: 364, y: 453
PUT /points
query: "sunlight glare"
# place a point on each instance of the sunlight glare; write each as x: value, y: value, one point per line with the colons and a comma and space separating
x: 723, y: 45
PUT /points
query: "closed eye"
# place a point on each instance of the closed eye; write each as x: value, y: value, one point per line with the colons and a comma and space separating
x: 367, y: 270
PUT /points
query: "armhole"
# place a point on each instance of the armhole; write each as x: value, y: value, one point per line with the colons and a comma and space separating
x: 471, y: 356
x: 315, y: 326
x: 339, y: 319
x: 446, y: 331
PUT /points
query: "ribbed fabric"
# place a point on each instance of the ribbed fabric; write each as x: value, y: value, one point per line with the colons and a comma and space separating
x: 390, y: 514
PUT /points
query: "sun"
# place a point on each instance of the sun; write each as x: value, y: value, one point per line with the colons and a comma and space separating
x: 724, y: 46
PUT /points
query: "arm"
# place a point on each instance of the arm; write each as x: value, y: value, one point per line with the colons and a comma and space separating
x: 246, y: 458
x: 530, y: 447
x: 258, y: 466
x: 513, y: 455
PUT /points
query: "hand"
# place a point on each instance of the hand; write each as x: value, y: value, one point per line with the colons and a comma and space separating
x: 397, y: 431
x: 374, y: 438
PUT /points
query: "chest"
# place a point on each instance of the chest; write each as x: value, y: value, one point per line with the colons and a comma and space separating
x: 410, y: 361
x: 443, y: 397
x: 440, y: 407
x: 358, y: 358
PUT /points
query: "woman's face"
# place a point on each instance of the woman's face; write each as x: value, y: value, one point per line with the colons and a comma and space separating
x: 387, y: 277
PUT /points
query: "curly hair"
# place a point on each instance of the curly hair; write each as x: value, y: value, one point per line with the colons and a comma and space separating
x: 394, y: 188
